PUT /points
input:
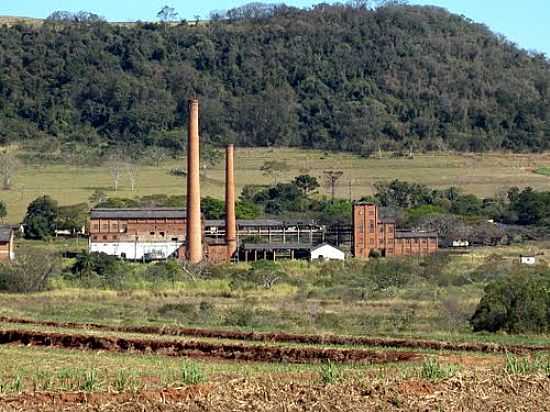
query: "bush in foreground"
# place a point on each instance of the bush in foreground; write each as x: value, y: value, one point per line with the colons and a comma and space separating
x: 518, y: 303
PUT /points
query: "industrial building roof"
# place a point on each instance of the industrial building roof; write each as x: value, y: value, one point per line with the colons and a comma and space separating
x: 139, y: 213
x: 5, y: 233
x: 245, y: 222
x: 277, y: 246
x: 409, y: 234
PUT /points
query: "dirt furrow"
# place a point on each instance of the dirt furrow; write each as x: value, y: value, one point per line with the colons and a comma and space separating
x: 239, y: 352
x: 295, y: 338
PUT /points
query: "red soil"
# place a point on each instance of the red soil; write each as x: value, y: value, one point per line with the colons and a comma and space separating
x: 238, y: 352
x: 295, y: 338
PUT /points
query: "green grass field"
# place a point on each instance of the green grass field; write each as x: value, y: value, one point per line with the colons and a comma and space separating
x: 479, y: 174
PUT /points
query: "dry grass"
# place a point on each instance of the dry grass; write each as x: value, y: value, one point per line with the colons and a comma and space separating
x: 481, y: 175
x: 390, y: 389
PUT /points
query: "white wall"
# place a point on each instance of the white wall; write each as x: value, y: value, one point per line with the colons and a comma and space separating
x: 136, y: 250
x: 328, y: 253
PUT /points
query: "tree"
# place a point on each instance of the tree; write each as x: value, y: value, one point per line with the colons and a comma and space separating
x: 3, y: 211
x: 97, y: 197
x: 247, y: 210
x: 72, y: 217
x: 116, y: 167
x: 166, y: 15
x: 210, y: 156
x: 155, y: 154
x: 132, y: 171
x: 331, y: 177
x: 41, y: 218
x: 212, y: 208
x: 274, y: 168
x: 8, y: 168
x: 308, y: 184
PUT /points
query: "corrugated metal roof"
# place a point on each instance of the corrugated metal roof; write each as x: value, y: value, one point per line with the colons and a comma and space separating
x: 402, y: 235
x: 245, y: 222
x: 5, y: 233
x: 277, y: 246
x: 139, y: 213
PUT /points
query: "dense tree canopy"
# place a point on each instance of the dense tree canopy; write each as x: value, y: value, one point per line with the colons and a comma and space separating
x: 345, y: 77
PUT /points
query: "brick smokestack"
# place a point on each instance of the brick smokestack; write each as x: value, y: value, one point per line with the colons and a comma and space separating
x: 230, y: 219
x: 194, y: 228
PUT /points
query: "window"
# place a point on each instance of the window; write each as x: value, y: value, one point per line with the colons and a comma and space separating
x: 115, y: 237
x: 123, y: 228
x: 381, y: 229
x: 152, y: 233
x: 105, y: 237
x: 162, y: 234
x: 105, y: 228
x: 95, y: 237
x: 174, y: 239
x: 95, y: 227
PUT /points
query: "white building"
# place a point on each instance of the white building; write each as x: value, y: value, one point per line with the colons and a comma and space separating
x: 528, y: 260
x: 326, y: 252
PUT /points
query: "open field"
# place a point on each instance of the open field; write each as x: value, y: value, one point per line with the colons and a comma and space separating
x: 203, y: 344
x: 478, y: 174
x: 54, y: 378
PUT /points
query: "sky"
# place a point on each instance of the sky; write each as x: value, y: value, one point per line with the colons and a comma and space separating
x: 526, y: 23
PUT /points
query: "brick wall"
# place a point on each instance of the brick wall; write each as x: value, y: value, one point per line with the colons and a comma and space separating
x: 149, y: 230
x: 4, y: 251
x: 370, y: 233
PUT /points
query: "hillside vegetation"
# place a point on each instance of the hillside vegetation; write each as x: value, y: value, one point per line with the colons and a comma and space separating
x: 396, y: 77
x: 483, y: 176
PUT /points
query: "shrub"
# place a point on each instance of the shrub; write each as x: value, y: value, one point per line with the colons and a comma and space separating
x: 516, y: 304
x: 330, y: 373
x: 98, y: 264
x: 241, y: 316
x: 432, y: 370
x: 30, y: 272
x: 262, y: 274
x: 166, y: 270
x: 191, y: 373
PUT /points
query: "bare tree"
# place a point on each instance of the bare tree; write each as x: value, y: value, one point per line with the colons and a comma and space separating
x: 132, y: 172
x: 8, y: 168
x: 116, y: 167
x: 274, y: 169
x: 156, y: 155
x: 167, y: 14
x: 331, y: 177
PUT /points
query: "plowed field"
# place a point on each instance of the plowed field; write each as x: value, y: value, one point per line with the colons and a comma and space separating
x: 293, y: 338
x: 240, y: 352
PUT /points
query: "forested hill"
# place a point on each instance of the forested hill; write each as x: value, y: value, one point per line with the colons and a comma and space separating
x: 334, y: 77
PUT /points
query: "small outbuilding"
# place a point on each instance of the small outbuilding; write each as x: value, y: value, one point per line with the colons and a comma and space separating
x: 528, y: 260
x: 326, y: 252
x: 6, y: 243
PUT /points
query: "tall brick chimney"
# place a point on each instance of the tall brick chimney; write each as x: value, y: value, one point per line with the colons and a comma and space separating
x: 230, y: 220
x: 194, y: 228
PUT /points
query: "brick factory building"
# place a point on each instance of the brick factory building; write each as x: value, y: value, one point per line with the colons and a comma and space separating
x: 6, y: 243
x: 371, y: 233
x: 152, y: 233
x: 160, y: 233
